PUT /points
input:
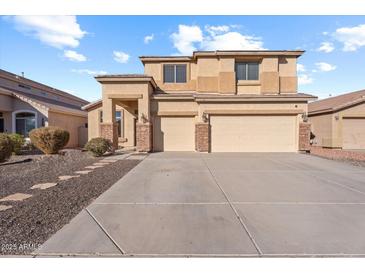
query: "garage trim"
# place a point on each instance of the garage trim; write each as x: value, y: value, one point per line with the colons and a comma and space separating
x: 254, y: 112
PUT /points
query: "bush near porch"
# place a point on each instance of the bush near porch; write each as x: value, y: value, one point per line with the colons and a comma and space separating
x: 17, y: 142
x: 50, y: 140
x: 98, y: 146
x: 5, y: 147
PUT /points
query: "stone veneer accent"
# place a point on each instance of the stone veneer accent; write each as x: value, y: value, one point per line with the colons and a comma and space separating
x: 144, y: 137
x: 304, y: 136
x: 202, y: 137
x: 110, y: 131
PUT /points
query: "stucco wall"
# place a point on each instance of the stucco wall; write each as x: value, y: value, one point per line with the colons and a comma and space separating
x: 128, y: 125
x: 6, y: 103
x: 217, y: 74
x: 93, y: 118
x: 328, y: 128
x: 321, y: 127
x: 71, y: 123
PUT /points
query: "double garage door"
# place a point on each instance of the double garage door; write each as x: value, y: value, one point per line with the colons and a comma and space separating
x: 229, y: 133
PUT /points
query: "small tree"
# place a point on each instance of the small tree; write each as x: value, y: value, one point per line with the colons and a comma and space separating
x: 17, y: 142
x: 98, y: 146
x: 5, y: 147
x: 50, y: 140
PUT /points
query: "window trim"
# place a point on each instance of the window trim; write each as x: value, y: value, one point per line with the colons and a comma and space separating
x: 14, y: 113
x: 175, y: 72
x: 246, y: 64
x: 3, y: 121
x: 121, y: 121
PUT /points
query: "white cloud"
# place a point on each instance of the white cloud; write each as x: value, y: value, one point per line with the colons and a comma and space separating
x: 184, y: 40
x: 325, y: 67
x: 147, y: 39
x: 120, y: 57
x: 352, y: 38
x: 74, y: 56
x: 214, y: 30
x: 232, y: 41
x: 326, y: 47
x: 89, y: 72
x: 301, y: 68
x: 55, y: 31
x: 191, y: 38
x: 304, y: 79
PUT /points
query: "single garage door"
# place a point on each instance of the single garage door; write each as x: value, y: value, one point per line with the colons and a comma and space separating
x: 253, y: 133
x: 353, y: 131
x: 174, y: 134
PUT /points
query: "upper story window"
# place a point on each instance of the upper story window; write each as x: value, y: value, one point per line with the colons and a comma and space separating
x: 174, y: 73
x: 247, y: 71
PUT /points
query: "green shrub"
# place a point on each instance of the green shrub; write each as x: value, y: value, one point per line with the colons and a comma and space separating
x: 98, y: 146
x: 50, y: 140
x: 5, y: 147
x: 17, y: 142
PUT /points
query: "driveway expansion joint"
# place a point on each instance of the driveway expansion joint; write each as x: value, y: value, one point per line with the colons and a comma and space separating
x: 105, y: 232
x: 235, y: 211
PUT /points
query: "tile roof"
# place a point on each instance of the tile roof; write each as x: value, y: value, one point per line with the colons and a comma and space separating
x: 336, y: 102
x: 44, y: 102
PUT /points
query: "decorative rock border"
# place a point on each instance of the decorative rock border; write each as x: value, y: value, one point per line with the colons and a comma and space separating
x: 16, y: 197
x: 337, y: 154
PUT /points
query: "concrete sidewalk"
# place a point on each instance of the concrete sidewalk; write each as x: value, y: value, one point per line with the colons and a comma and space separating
x: 223, y: 204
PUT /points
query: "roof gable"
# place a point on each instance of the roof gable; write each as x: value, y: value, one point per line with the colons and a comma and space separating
x: 336, y: 102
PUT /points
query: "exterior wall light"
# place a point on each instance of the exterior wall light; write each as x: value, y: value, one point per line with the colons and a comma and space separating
x: 305, y: 117
x: 205, y: 117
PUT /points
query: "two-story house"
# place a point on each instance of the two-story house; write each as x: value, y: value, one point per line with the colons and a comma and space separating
x: 26, y: 104
x: 212, y: 101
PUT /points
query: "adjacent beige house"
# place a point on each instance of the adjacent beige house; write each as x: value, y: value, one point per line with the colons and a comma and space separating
x: 26, y: 104
x: 339, y: 122
x: 212, y: 101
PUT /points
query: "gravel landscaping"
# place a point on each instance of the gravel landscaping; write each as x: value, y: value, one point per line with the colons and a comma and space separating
x: 356, y: 158
x: 31, y: 222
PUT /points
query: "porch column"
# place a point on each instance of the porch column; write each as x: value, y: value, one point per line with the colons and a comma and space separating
x: 304, y: 136
x: 109, y: 127
x: 202, y: 137
x: 144, y: 126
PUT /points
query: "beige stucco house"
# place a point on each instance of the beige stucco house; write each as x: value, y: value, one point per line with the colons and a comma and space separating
x: 212, y: 101
x: 339, y: 122
x: 26, y: 104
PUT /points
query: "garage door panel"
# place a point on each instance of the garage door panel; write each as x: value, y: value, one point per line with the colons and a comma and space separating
x: 253, y: 133
x: 174, y: 134
x: 353, y: 133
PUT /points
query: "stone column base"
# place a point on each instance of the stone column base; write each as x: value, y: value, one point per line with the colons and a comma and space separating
x: 110, y: 131
x: 304, y: 136
x: 144, y: 137
x: 202, y: 137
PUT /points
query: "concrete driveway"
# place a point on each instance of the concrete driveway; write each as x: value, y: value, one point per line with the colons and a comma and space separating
x: 224, y: 204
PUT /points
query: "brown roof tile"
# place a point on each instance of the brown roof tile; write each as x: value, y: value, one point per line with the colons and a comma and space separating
x: 335, y: 102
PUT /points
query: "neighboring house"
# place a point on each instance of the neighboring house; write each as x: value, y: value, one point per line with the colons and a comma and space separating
x: 26, y: 104
x: 339, y: 122
x: 213, y: 101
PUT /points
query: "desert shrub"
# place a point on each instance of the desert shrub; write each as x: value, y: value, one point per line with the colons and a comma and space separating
x: 17, y: 142
x: 5, y: 147
x: 50, y: 140
x: 98, y: 146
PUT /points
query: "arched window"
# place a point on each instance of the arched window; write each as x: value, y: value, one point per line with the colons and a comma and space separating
x: 25, y: 121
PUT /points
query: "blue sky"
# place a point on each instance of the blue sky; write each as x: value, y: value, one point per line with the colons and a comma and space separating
x: 66, y: 51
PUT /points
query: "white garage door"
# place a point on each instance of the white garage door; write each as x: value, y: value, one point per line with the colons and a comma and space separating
x: 253, y: 133
x: 353, y: 133
x: 174, y: 134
